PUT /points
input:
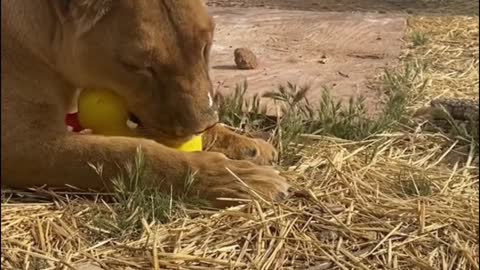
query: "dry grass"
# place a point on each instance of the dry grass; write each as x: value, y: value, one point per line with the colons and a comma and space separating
x: 449, y: 48
x: 399, y: 200
x: 382, y: 202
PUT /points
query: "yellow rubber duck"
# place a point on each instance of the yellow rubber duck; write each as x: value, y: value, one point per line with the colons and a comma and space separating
x: 104, y: 112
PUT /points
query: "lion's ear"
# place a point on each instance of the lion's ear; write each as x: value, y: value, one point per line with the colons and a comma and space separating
x: 84, y: 14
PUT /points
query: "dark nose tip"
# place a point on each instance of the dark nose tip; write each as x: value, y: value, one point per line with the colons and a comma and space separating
x: 208, y: 125
x: 206, y: 128
x: 199, y: 126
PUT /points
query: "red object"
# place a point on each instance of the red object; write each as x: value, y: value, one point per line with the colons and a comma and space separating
x: 71, y: 119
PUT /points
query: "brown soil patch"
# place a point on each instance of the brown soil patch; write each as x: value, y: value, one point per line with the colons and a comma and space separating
x: 321, y: 49
x: 418, y: 7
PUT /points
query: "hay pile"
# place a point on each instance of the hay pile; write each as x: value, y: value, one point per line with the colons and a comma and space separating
x: 449, y: 52
x: 405, y: 200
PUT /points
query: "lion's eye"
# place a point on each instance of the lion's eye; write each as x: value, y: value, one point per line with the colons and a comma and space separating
x: 143, y: 70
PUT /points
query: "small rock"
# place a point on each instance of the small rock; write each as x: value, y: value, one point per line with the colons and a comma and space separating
x: 245, y: 59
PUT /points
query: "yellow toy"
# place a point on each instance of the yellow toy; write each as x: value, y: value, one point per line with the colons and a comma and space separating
x: 193, y: 145
x: 104, y: 112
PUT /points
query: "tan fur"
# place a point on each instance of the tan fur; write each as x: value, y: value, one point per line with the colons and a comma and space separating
x: 154, y: 53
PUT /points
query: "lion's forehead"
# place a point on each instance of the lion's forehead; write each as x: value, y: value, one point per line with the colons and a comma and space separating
x: 186, y: 21
x: 187, y: 16
x: 169, y: 33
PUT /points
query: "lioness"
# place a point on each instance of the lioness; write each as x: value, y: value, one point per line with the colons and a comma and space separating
x: 153, y: 53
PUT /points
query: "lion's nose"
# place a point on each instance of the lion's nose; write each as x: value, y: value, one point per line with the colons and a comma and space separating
x: 199, y: 126
x: 207, y: 127
x: 210, y: 121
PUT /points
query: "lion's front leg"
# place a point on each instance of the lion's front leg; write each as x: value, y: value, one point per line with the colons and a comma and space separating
x: 239, y: 147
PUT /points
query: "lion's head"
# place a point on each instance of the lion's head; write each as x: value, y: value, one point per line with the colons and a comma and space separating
x: 154, y: 53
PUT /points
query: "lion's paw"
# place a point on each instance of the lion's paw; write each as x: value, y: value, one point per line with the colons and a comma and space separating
x: 255, y: 150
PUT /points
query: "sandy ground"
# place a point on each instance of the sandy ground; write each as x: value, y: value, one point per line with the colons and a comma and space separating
x: 418, y: 7
x: 338, y: 44
x: 340, y: 51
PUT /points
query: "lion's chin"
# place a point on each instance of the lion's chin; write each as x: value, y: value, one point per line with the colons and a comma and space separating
x: 162, y: 138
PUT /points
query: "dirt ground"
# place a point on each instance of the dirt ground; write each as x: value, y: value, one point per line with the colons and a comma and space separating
x: 418, y: 7
x: 315, y: 42
x: 340, y: 51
